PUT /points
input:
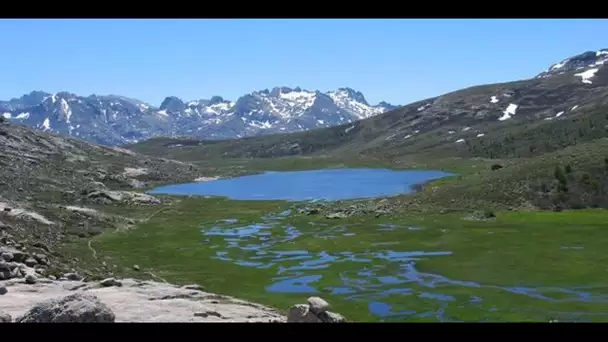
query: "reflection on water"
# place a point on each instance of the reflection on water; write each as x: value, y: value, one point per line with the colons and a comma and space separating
x: 374, y: 277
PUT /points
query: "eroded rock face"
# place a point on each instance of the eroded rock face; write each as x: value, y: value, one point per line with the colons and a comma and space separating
x: 74, y: 308
x: 129, y: 197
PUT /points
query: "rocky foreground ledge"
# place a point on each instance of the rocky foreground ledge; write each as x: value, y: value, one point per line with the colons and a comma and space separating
x: 27, y: 296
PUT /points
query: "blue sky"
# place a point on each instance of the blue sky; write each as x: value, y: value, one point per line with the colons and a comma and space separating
x: 399, y: 61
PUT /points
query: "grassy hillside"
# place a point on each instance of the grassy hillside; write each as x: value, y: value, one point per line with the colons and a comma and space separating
x: 429, y: 127
x: 527, y: 155
x: 575, y: 177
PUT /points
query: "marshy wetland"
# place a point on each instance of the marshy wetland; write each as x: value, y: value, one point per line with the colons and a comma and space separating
x: 517, y: 266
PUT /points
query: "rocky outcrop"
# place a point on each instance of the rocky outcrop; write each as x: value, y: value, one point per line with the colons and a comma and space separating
x: 128, y: 300
x: 29, y: 293
x: 127, y: 197
x: 15, y: 263
x: 316, y: 311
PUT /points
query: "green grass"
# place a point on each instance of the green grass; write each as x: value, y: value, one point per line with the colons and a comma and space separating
x: 516, y: 249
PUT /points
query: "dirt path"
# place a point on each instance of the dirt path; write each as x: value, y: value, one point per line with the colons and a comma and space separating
x: 154, y: 213
x: 145, y: 220
x: 157, y: 277
x: 94, y: 252
x: 92, y: 249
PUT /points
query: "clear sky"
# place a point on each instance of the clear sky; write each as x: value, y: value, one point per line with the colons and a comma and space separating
x: 400, y: 61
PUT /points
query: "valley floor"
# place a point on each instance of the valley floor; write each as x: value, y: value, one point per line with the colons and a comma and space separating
x: 518, y: 266
x: 406, y: 258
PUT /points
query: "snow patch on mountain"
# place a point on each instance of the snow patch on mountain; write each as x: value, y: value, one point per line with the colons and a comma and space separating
x: 587, y: 75
x: 508, y: 112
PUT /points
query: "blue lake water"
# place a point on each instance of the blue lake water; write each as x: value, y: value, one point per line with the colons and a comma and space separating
x: 325, y: 184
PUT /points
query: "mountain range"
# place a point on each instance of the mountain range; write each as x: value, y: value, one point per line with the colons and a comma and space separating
x: 116, y: 120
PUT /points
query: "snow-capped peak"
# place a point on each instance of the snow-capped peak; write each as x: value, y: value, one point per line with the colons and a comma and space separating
x: 581, y: 62
x: 354, y: 102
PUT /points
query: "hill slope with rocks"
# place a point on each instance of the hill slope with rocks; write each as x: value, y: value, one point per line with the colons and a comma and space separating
x: 38, y: 164
x: 456, y: 123
x: 116, y: 120
x: 48, y: 184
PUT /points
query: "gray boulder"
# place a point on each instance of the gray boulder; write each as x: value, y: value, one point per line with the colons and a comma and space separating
x: 7, y: 256
x: 5, y: 317
x: 300, y: 313
x: 17, y: 255
x: 31, y: 279
x: 76, y: 308
x: 110, y: 282
x: 317, y: 305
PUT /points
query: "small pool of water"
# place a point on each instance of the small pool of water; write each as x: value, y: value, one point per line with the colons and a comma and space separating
x: 326, y: 184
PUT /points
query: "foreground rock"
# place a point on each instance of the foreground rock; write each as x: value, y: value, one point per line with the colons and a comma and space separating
x: 316, y: 311
x: 317, y: 305
x: 134, y: 301
x: 29, y: 293
x: 75, y: 308
x: 5, y: 317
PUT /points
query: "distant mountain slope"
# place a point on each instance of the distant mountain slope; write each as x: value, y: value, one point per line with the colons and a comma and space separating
x: 546, y: 112
x: 116, y: 120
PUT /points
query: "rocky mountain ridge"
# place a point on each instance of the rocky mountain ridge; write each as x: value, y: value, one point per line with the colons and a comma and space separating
x: 116, y: 120
x: 587, y: 59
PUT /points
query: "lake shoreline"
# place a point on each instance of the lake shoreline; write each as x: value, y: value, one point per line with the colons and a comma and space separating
x: 340, y: 184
